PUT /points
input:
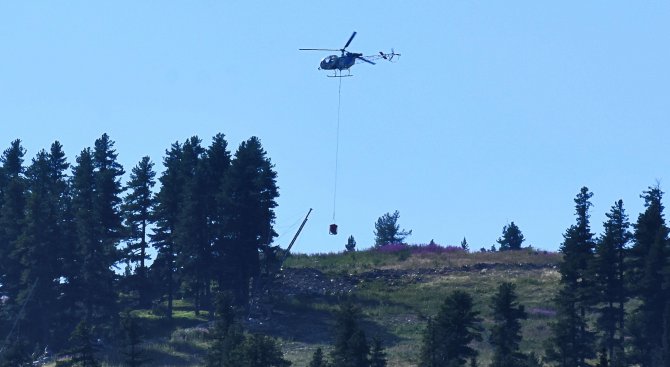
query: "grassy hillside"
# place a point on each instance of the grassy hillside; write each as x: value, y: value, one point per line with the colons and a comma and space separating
x: 396, y: 290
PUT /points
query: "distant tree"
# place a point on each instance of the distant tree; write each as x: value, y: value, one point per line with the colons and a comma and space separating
x: 134, y: 355
x: 138, y: 205
x: 377, y: 354
x: 388, y: 231
x: 83, y: 347
x: 446, y: 341
x: 318, y: 359
x: 351, y: 347
x: 572, y: 342
x: 464, y: 245
x: 511, y: 239
x: 608, y: 274
x: 506, y: 331
x: 351, y: 244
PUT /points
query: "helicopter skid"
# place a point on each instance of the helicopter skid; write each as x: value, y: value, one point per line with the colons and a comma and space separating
x: 339, y: 76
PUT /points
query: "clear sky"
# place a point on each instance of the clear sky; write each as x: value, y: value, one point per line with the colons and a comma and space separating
x: 496, y: 112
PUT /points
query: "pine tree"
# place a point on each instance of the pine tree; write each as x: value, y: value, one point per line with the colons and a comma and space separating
x: 83, y: 347
x: 137, y: 209
x: 351, y: 348
x: 387, y: 230
x: 168, y: 202
x: 464, y: 245
x: 506, y: 331
x: 511, y: 239
x: 220, y: 349
x: 12, y: 212
x: 38, y: 250
x: 572, y: 342
x: 96, y: 253
x: 248, y: 200
x: 133, y: 355
x: 318, y: 359
x: 377, y: 354
x: 447, y: 339
x: 262, y: 351
x: 608, y: 270
x: 648, y: 275
x: 351, y: 244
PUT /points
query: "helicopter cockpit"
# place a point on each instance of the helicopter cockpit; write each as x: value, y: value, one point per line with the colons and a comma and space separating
x: 329, y: 62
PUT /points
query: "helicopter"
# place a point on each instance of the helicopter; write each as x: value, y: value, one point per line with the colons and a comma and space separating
x: 347, y: 59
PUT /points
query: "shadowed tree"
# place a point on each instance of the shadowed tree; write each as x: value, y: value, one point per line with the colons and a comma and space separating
x: 506, y: 331
x: 447, y: 338
x: 351, y: 347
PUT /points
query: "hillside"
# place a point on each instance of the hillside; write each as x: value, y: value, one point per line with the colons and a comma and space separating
x: 397, y: 291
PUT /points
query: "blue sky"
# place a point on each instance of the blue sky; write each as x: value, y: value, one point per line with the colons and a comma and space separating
x: 496, y: 111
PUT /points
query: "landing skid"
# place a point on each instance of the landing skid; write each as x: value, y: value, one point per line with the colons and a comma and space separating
x: 339, y: 76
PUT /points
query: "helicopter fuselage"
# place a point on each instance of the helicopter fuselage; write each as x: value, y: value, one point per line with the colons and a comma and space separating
x: 334, y: 62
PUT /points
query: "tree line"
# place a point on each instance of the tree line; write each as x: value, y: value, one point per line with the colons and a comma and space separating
x: 67, y: 231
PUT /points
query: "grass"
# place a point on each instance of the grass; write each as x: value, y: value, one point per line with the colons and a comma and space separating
x: 395, y: 308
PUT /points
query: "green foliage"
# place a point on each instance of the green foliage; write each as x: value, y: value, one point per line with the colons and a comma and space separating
x: 377, y: 354
x: 83, y: 348
x: 15, y: 355
x: 318, y: 359
x: 446, y: 341
x: 506, y: 331
x: 387, y: 230
x: 134, y: 355
x: 572, y: 342
x: 351, y: 244
x: 464, y: 245
x: 351, y: 347
x: 511, y: 239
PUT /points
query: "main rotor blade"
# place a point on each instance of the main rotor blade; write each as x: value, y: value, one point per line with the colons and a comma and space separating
x: 317, y: 49
x: 348, y: 42
x: 366, y: 60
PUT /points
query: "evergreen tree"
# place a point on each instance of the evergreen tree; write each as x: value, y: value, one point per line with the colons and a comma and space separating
x: 506, y: 331
x: 15, y: 355
x: 217, y: 162
x: 133, y: 355
x: 377, y: 354
x: 38, y: 251
x: 447, y: 339
x: 262, y: 351
x: 137, y: 209
x: 511, y: 239
x: 12, y: 212
x: 83, y: 347
x: 318, y: 359
x: 168, y: 202
x: 351, y: 348
x: 608, y: 271
x: 226, y: 336
x: 96, y: 253
x: 572, y: 342
x: 247, y: 201
x: 464, y: 245
x: 351, y: 244
x: 648, y: 275
x: 387, y: 230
